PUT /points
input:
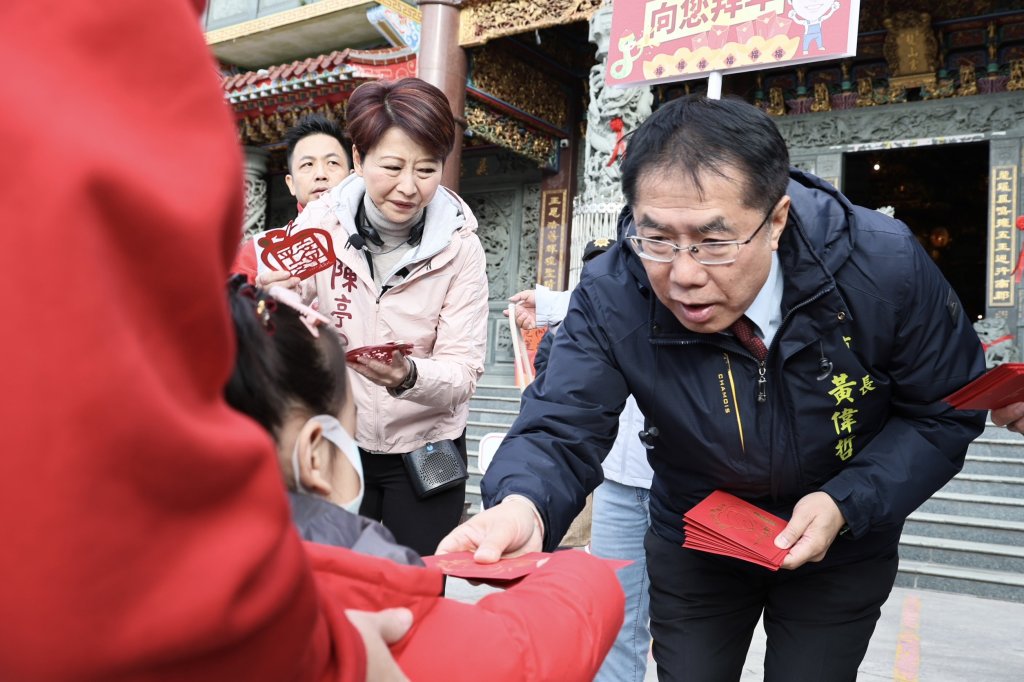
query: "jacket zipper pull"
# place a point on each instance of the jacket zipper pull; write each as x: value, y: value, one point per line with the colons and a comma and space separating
x: 762, y: 393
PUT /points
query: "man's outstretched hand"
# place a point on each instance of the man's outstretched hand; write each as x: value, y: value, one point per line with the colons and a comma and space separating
x: 507, y: 529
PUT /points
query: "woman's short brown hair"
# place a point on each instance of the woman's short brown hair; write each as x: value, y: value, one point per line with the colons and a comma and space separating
x: 418, y: 108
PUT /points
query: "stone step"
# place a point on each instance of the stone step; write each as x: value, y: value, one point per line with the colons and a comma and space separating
x: 974, y: 581
x: 963, y: 553
x: 1000, y: 432
x: 485, y: 390
x: 493, y: 415
x: 499, y: 402
x: 997, y: 447
x: 969, y: 528
x: 980, y: 506
x: 994, y: 466
x: 476, y: 429
x: 983, y: 484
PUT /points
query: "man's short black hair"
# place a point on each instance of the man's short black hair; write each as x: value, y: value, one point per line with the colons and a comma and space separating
x: 695, y: 135
x: 314, y: 124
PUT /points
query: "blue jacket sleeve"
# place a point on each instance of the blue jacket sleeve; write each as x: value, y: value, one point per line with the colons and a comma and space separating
x: 567, y: 422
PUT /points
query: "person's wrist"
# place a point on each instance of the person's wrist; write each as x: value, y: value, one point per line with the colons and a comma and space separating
x: 408, y: 382
x: 526, y: 502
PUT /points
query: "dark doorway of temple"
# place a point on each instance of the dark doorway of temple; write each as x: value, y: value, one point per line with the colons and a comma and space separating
x: 941, y: 193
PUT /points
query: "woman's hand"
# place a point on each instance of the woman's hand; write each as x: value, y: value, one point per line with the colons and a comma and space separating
x: 382, y: 373
x: 280, y: 278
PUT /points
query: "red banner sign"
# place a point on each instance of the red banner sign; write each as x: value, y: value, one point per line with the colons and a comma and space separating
x: 672, y: 40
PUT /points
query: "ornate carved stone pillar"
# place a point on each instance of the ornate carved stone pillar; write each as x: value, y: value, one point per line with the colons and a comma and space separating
x: 1005, y: 296
x: 256, y: 161
x: 442, y: 62
x: 612, y: 113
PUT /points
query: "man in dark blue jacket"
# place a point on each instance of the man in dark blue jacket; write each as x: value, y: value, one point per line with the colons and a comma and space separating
x: 835, y: 422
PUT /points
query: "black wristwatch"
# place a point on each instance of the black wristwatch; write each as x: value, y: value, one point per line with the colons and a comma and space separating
x: 407, y: 383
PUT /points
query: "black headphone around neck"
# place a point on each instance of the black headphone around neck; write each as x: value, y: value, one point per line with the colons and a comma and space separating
x: 369, y: 232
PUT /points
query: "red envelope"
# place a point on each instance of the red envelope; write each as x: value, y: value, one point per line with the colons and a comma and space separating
x: 462, y: 565
x: 724, y: 524
x: 381, y: 353
x: 503, y: 571
x: 763, y: 25
x: 718, y: 36
x: 744, y: 31
x: 303, y: 253
x: 780, y: 26
x: 998, y: 387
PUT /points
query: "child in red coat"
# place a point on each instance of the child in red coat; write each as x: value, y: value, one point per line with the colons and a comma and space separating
x: 146, y: 532
x: 290, y: 377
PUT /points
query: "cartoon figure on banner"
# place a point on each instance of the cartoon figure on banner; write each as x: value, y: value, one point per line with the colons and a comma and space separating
x: 630, y: 48
x: 811, y: 14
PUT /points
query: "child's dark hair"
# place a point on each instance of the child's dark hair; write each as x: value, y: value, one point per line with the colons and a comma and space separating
x: 280, y: 366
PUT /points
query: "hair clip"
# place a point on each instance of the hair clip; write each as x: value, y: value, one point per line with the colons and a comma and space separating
x: 309, y: 317
x: 263, y: 310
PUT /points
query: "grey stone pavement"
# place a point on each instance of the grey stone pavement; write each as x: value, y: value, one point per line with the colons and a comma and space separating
x: 922, y: 636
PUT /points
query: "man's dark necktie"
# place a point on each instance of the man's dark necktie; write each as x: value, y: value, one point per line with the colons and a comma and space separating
x: 743, y: 330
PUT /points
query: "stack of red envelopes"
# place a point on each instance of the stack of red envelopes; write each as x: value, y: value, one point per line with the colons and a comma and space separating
x: 725, y: 524
x: 996, y: 388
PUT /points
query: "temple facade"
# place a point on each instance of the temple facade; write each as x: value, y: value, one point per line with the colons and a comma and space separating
x: 925, y: 121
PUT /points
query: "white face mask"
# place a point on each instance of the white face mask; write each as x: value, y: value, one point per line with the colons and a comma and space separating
x: 335, y: 433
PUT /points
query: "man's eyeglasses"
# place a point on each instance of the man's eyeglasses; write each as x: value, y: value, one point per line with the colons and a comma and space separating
x: 705, y: 253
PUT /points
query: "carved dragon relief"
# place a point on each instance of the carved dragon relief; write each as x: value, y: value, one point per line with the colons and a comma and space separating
x: 914, y: 120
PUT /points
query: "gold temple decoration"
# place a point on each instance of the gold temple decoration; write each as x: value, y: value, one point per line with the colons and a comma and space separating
x: 944, y: 88
x: 776, y: 103
x: 822, y: 98
x: 1016, y: 75
x: 865, y: 93
x: 483, y: 20
x: 911, y: 50
x: 510, y: 134
x: 518, y: 84
x: 896, y: 94
x: 968, y: 81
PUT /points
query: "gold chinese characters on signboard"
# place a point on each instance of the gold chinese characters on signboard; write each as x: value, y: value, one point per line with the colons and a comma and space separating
x: 1002, y: 237
x: 911, y: 50
x: 553, y: 229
